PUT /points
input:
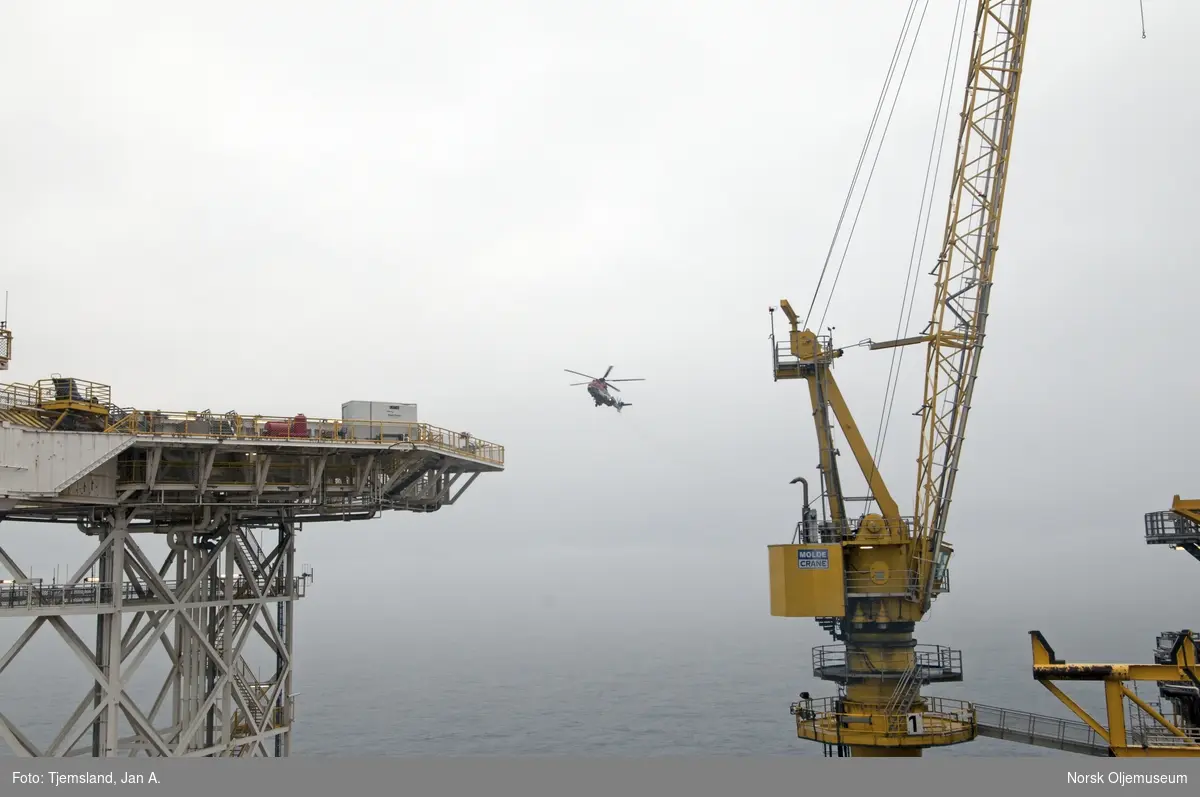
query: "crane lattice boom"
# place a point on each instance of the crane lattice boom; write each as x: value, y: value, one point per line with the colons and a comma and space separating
x: 964, y: 270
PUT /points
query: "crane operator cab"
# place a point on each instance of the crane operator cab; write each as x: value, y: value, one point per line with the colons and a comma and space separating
x: 941, y: 568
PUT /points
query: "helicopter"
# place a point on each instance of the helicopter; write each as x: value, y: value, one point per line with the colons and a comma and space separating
x: 598, y: 388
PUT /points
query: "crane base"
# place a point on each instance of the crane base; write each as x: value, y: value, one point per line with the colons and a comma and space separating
x: 943, y: 723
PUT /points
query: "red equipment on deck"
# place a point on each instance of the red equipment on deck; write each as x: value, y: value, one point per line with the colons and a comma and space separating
x: 296, y: 427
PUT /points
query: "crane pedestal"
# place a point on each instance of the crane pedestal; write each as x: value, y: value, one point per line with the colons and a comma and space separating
x: 849, y: 587
x: 880, y: 711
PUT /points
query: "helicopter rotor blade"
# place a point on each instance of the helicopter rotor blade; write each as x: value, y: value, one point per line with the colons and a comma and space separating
x: 577, y: 384
x: 627, y: 380
x: 606, y: 373
x: 585, y: 376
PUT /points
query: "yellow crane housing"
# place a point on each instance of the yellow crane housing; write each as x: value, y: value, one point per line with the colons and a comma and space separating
x: 869, y: 580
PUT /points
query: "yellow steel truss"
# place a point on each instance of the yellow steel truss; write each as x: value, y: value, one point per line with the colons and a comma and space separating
x: 1167, y: 739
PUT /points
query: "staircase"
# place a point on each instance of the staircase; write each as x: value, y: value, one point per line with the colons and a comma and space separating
x: 412, y: 474
x: 242, y: 679
x: 253, y: 552
x: 903, y: 696
x: 832, y: 625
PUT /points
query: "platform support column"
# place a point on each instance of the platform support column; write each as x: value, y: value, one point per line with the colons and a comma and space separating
x: 111, y: 567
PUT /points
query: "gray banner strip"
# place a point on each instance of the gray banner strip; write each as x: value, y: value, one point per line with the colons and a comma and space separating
x: 535, y: 777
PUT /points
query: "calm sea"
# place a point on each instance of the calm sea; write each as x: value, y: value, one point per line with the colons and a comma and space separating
x: 446, y: 647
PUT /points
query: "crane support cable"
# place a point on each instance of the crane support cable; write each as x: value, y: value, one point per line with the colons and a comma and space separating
x: 871, y: 174
x: 908, y: 18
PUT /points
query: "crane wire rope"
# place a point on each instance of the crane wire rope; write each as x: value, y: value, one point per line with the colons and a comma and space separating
x: 943, y: 104
x: 863, y: 155
x: 921, y: 233
x: 932, y: 166
x: 875, y: 162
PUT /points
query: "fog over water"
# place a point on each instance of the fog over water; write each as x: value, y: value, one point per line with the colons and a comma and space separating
x: 283, y: 207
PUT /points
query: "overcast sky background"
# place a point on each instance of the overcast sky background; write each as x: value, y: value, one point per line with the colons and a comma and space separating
x: 279, y: 207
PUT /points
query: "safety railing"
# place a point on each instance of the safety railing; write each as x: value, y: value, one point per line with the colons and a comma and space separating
x: 1145, y: 729
x: 300, y: 427
x: 903, y: 696
x: 83, y: 391
x: 889, y: 582
x: 786, y: 365
x: 1164, y: 643
x: 784, y: 356
x: 949, y: 716
x: 950, y: 709
x: 1168, y: 528
x: 837, y: 531
x: 816, y: 708
x: 241, y: 728
x: 933, y: 662
x: 16, y: 394
x: 1164, y: 648
x: 1038, y: 729
x: 1158, y: 736
x: 247, y: 685
x: 232, y: 424
x: 36, y: 595
x: 828, y: 657
x: 940, y: 573
x: 243, y: 673
x: 939, y: 658
x: 833, y: 532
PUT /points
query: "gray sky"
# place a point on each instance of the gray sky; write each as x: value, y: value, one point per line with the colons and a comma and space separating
x: 281, y: 209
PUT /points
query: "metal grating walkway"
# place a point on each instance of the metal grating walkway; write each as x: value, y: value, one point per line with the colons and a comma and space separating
x: 1040, y: 730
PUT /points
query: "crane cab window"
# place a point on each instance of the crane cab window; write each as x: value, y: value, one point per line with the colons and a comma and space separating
x: 941, y: 565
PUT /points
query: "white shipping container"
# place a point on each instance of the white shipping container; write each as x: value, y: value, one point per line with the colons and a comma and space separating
x: 367, y: 415
x: 379, y: 411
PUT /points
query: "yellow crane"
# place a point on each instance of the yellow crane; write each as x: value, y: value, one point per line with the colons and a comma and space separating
x: 869, y: 580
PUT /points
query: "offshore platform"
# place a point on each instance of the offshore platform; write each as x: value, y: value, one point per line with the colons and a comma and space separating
x: 1135, y: 727
x: 209, y: 486
x: 869, y: 579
